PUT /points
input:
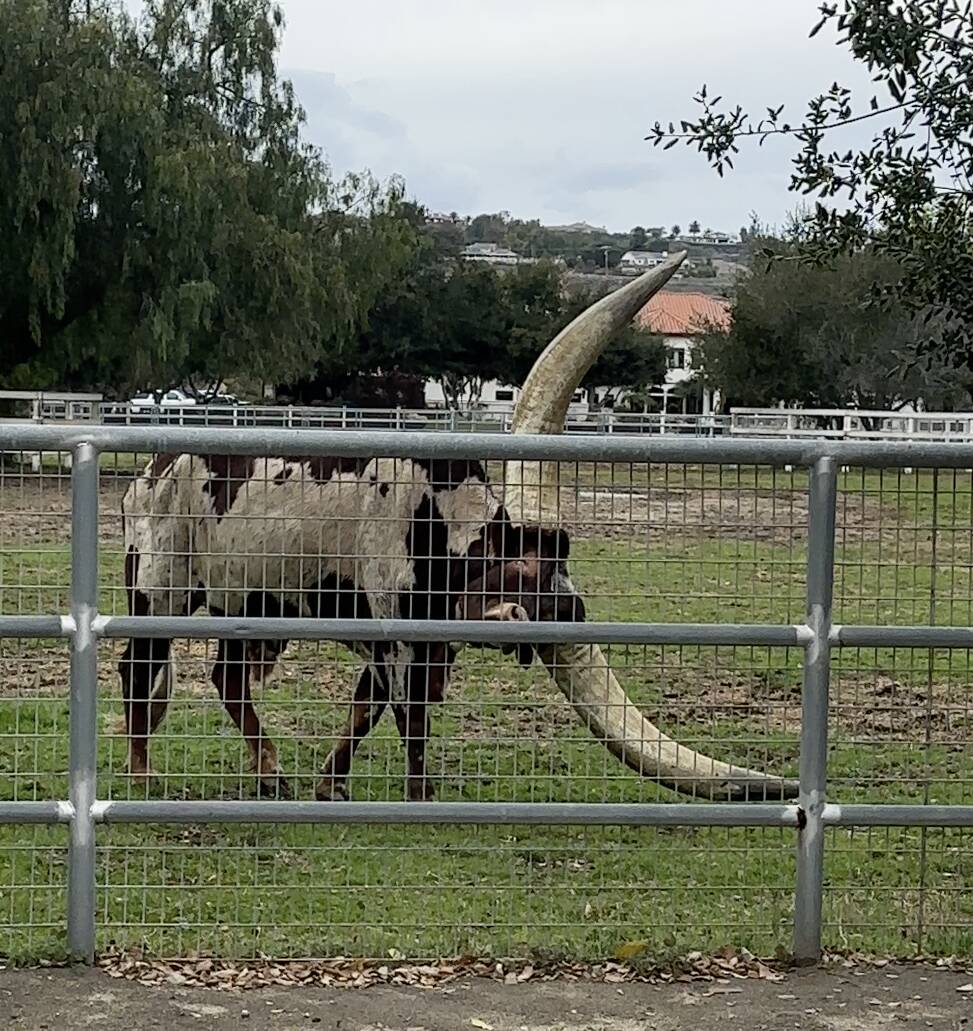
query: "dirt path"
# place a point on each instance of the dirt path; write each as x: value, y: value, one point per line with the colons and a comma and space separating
x: 845, y: 1000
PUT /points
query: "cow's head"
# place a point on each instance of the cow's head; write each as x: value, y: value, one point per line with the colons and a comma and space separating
x: 525, y: 580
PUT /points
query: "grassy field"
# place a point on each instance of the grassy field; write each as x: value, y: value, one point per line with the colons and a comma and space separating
x: 681, y: 544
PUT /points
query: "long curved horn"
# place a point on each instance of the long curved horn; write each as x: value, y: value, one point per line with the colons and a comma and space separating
x: 531, y: 496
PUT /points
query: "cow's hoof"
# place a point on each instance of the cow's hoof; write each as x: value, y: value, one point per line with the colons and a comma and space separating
x: 419, y: 791
x: 139, y: 773
x: 275, y: 787
x: 331, y: 791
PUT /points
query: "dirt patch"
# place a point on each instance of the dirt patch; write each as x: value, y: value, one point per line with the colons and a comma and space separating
x: 36, y: 510
x: 878, y: 708
x: 656, y: 514
x: 40, y: 672
x: 778, y: 517
x: 527, y: 722
x: 819, y: 1000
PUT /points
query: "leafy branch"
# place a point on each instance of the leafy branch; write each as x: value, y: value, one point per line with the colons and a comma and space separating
x: 908, y: 190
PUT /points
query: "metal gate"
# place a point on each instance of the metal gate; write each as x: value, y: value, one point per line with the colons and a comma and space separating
x: 83, y: 627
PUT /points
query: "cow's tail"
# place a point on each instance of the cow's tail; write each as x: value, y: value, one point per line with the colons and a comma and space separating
x: 162, y: 688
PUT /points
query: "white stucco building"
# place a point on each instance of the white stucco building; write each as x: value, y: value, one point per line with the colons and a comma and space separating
x: 634, y: 263
x: 680, y: 319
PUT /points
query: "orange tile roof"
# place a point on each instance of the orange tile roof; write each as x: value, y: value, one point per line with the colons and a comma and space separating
x: 683, y: 314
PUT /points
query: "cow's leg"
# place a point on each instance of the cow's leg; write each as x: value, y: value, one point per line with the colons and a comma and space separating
x: 412, y: 720
x: 425, y: 684
x: 368, y: 704
x: 143, y: 663
x: 145, y: 667
x: 411, y: 708
x: 231, y: 675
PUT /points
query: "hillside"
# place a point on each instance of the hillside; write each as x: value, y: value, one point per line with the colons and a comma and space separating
x: 722, y: 285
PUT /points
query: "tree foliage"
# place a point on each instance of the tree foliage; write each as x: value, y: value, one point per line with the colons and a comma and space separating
x: 908, y: 191
x: 163, y: 219
x: 806, y: 335
x: 463, y: 324
x: 513, y: 325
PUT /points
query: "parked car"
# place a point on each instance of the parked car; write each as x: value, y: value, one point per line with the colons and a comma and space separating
x: 174, y: 398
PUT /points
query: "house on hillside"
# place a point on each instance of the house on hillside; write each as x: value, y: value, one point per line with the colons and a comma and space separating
x: 634, y: 263
x: 709, y: 236
x: 681, y: 319
x: 440, y: 218
x: 577, y: 227
x: 491, y: 254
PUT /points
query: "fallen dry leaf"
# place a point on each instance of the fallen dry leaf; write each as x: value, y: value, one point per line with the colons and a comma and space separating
x: 341, y: 972
x: 629, y: 950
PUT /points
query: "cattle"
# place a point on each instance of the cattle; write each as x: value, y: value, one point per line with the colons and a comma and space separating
x: 328, y: 539
x: 386, y: 539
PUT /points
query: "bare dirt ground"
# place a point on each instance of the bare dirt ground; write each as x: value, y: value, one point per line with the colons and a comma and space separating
x: 876, y: 707
x: 39, y: 512
x: 817, y: 1000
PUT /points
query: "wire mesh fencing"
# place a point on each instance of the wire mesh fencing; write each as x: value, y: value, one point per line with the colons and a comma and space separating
x: 901, y: 720
x: 262, y: 716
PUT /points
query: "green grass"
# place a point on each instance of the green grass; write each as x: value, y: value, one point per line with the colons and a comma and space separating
x: 900, y: 727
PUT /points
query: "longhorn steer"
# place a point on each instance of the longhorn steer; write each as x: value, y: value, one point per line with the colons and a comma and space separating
x: 386, y: 538
x: 328, y: 538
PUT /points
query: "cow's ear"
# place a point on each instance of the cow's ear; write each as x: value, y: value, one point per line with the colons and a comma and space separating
x: 555, y: 544
x: 507, y: 539
x: 496, y: 533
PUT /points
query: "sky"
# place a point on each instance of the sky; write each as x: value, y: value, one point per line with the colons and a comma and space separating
x: 540, y: 107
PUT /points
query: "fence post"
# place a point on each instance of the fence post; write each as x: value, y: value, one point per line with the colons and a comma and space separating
x: 814, y: 711
x: 83, y: 714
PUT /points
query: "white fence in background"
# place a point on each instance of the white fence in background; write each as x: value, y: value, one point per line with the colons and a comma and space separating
x: 470, y: 421
x: 18, y: 406
x: 851, y: 424
x: 783, y: 423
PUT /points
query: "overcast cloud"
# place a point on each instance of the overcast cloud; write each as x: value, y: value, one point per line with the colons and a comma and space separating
x: 540, y: 107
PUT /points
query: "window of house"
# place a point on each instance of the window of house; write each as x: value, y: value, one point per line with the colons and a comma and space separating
x: 504, y: 395
x: 676, y: 358
x: 578, y: 395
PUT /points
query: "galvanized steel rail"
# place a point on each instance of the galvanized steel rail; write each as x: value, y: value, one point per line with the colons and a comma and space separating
x: 82, y: 811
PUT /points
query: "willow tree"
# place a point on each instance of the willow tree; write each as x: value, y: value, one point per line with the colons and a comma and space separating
x: 162, y: 216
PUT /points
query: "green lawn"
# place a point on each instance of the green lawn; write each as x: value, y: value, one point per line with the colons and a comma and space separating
x: 899, y: 732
